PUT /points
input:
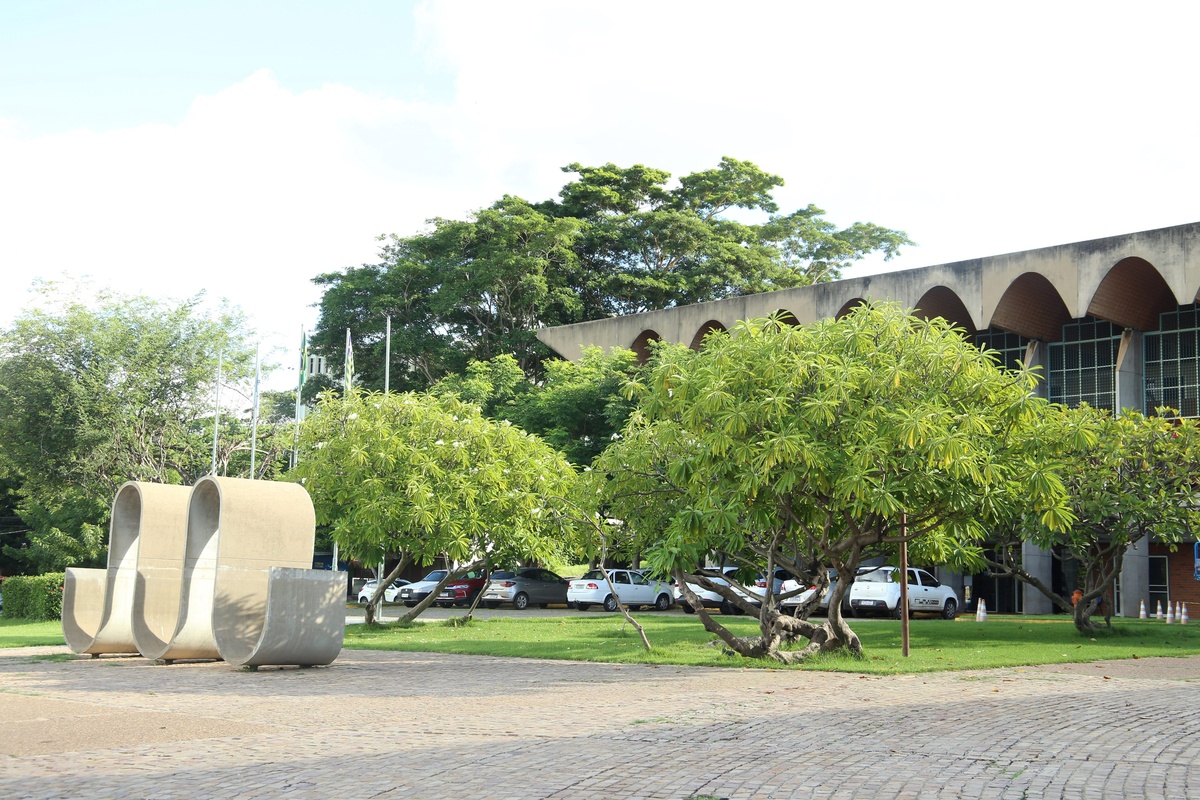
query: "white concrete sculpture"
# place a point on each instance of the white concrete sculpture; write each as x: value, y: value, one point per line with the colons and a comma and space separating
x: 220, y: 571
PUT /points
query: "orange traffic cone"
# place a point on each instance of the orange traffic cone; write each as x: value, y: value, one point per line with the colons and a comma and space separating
x: 981, y: 611
x: 1158, y: 609
x: 1170, y: 613
x: 1183, y: 614
x: 1142, y: 610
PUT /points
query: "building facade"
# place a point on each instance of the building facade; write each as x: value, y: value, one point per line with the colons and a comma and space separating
x: 1113, y: 322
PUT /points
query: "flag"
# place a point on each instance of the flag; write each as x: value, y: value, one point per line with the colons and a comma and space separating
x: 348, y: 380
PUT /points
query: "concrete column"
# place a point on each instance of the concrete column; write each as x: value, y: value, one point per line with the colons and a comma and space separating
x: 1037, y: 354
x: 1129, y: 377
x: 1135, y: 578
x: 1040, y: 564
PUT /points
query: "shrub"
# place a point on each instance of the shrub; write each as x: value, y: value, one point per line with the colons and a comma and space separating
x: 33, y: 597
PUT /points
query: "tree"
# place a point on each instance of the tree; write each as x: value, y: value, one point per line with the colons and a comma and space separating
x: 809, y: 446
x: 1133, y: 479
x: 646, y: 247
x: 100, y: 391
x: 577, y: 407
x: 618, y: 240
x: 427, y: 477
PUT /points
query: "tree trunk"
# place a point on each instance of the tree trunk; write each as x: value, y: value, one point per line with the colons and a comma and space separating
x: 372, y: 609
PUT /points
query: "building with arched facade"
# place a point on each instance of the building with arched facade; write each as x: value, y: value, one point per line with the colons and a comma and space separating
x: 1113, y: 322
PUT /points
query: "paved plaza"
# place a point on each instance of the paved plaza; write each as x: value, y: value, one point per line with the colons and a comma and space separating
x: 414, y: 726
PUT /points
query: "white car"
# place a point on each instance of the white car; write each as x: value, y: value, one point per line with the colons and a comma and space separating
x: 795, y: 601
x: 389, y: 594
x: 633, y: 588
x: 876, y: 590
x: 710, y: 599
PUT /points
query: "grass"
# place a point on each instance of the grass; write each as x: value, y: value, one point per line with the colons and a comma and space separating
x: 936, y: 645
x: 22, y: 633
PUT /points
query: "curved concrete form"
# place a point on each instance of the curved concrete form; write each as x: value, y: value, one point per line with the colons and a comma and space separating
x: 246, y: 570
x: 99, y: 604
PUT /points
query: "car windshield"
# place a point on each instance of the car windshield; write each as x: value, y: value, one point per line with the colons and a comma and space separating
x: 876, y: 576
x: 435, y: 576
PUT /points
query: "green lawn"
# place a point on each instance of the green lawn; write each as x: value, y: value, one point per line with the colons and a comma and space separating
x: 935, y: 644
x: 19, y: 633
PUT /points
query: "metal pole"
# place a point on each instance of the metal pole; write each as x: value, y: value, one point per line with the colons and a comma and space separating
x: 254, y: 417
x: 217, y: 410
x: 387, y: 357
x: 904, y: 585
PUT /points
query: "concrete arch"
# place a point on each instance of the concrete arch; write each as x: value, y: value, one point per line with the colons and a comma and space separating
x: 641, y: 345
x: 786, y: 317
x: 705, y: 330
x: 941, y: 301
x: 1132, y: 295
x: 1032, y: 307
x: 849, y: 306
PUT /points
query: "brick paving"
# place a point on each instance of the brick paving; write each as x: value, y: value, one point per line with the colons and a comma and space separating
x: 415, y: 726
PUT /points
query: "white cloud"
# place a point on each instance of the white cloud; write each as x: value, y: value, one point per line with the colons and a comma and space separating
x: 976, y: 129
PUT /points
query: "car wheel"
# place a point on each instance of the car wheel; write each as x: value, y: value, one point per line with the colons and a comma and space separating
x: 491, y: 604
x: 583, y: 606
x: 521, y: 601
x: 687, y: 608
x: 610, y: 603
x: 950, y: 609
x: 898, y: 611
x: 663, y: 602
x: 848, y: 612
x: 726, y: 608
x: 410, y: 604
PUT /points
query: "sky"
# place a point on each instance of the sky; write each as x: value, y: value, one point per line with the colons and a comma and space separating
x: 241, y: 148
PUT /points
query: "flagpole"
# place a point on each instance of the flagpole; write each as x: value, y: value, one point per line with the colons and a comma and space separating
x: 217, y: 410
x: 299, y: 392
x: 254, y: 417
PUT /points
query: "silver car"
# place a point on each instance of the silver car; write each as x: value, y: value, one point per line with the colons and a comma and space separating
x: 524, y: 587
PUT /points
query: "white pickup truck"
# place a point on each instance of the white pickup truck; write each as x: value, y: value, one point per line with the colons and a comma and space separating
x: 876, y: 590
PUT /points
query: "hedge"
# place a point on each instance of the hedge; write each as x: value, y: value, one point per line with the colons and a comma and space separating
x: 33, y: 597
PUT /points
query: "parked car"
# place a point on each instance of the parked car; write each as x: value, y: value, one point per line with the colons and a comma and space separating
x: 633, y: 588
x: 416, y: 592
x: 389, y: 594
x: 462, y: 590
x: 795, y: 601
x: 524, y: 587
x: 760, y: 584
x: 877, y: 590
x: 711, y: 599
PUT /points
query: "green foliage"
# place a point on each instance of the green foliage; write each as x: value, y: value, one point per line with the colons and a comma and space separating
x: 817, y: 444
x: 578, y: 407
x: 100, y: 389
x: 617, y: 241
x: 428, y: 476
x: 1128, y: 478
x: 33, y: 597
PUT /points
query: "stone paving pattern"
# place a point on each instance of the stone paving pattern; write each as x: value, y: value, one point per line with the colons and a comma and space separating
x: 416, y: 726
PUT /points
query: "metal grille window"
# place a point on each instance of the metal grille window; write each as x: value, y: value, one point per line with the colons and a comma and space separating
x: 1083, y: 364
x: 1010, y: 346
x: 1169, y: 362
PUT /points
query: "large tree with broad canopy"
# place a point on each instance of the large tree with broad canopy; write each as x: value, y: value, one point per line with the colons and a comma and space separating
x: 810, y: 446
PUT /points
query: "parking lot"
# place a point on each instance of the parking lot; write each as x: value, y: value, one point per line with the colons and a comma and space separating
x: 412, y: 725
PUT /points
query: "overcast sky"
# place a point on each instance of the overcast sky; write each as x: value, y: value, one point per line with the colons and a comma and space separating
x: 240, y: 148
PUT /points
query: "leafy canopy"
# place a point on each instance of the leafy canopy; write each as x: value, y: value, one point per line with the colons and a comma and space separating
x: 812, y: 444
x: 427, y: 476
